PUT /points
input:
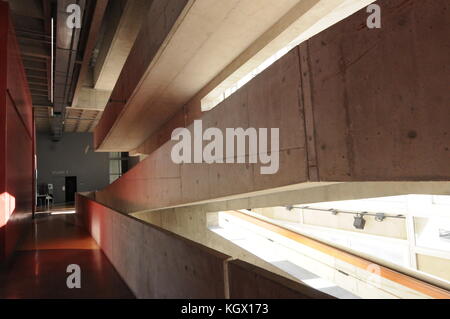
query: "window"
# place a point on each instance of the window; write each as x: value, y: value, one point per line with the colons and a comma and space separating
x: 208, y: 103
x: 115, y: 166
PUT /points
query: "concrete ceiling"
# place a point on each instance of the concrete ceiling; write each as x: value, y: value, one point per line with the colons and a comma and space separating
x: 210, y: 36
x: 105, y: 42
x: 209, y: 46
x: 214, y: 44
x: 123, y: 20
x: 81, y: 120
x: 77, y: 120
x: 31, y: 20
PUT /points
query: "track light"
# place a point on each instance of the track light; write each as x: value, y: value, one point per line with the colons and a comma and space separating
x: 359, y: 221
x: 444, y: 234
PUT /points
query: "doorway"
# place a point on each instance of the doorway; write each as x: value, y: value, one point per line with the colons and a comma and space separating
x: 71, y: 188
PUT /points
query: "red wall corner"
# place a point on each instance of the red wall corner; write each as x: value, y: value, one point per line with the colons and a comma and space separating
x: 16, y: 140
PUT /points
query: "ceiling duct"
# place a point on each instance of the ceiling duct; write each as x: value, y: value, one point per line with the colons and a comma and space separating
x: 66, y: 48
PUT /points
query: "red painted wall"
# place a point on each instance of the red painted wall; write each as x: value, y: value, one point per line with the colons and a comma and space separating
x: 16, y: 140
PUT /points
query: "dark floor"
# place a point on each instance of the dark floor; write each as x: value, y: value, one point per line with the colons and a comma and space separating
x: 38, y: 269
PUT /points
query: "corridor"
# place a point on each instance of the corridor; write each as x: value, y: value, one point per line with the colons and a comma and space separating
x: 38, y: 268
x: 227, y: 150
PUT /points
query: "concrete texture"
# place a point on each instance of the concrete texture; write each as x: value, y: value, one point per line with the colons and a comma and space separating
x: 125, y: 20
x: 194, y: 224
x: 153, y: 262
x: 156, y: 263
x: 297, y: 25
x: 380, y: 97
x: 250, y: 282
x: 214, y: 44
x: 168, y: 184
x: 158, y: 23
x: 89, y: 98
x: 325, y: 133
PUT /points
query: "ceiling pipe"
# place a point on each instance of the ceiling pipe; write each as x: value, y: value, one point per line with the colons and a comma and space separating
x: 94, y: 31
x: 66, y: 48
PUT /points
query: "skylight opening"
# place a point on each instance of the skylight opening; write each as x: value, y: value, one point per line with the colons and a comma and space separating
x: 207, y: 104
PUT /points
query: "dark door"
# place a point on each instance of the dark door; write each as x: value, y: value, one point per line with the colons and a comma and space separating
x: 71, y: 188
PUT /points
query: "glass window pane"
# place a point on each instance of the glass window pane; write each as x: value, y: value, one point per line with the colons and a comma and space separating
x: 113, y: 178
x: 115, y: 167
x: 114, y: 155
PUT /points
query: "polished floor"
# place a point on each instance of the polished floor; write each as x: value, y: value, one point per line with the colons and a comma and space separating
x: 39, y: 267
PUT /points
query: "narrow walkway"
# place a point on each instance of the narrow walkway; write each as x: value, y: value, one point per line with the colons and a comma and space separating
x: 38, y: 268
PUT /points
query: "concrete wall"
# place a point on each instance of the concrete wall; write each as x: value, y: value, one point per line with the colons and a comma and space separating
x: 378, y: 96
x: 262, y: 284
x: 56, y: 160
x: 156, y: 263
x: 346, y: 112
x: 114, y: 12
x: 161, y: 16
x: 157, y: 182
x: 153, y: 262
x: 125, y: 18
x: 193, y: 223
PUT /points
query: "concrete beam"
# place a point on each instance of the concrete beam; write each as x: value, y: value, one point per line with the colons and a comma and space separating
x: 125, y: 19
x: 304, y: 20
x: 94, y: 30
x: 393, y: 74
x: 157, y: 28
x: 204, y: 43
x: 92, y: 98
